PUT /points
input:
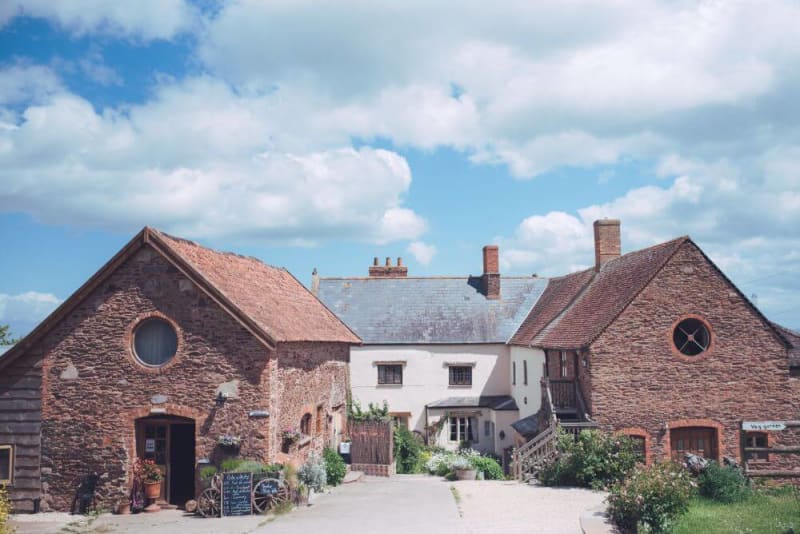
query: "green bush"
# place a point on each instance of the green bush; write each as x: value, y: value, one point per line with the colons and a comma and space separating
x: 407, y: 449
x: 489, y: 466
x: 335, y: 467
x: 651, y: 498
x: 724, y: 484
x: 5, y: 510
x: 230, y: 464
x: 207, y: 472
x: 594, y: 460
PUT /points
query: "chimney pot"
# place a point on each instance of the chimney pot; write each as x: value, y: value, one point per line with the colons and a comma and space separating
x: 399, y: 261
x: 388, y: 261
x: 607, y: 244
x: 375, y: 261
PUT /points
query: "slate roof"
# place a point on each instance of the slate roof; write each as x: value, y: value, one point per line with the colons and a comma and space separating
x: 793, y: 340
x: 493, y: 402
x: 527, y: 427
x: 270, y: 296
x: 430, y: 310
x: 593, y: 299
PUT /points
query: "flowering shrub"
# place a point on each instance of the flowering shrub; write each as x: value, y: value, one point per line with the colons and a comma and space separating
x: 147, y: 471
x: 335, y: 468
x: 651, y: 498
x: 460, y: 462
x: 312, y: 473
x: 292, y: 434
x: 5, y: 509
x: 595, y: 459
x: 227, y: 440
x: 489, y: 467
x: 443, y: 463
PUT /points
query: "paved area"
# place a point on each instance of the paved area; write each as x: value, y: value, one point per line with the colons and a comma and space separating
x: 402, y: 504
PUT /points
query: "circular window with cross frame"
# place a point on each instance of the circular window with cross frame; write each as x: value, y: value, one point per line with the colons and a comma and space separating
x: 692, y: 337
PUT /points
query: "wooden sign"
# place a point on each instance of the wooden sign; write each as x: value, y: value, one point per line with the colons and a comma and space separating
x: 763, y: 426
x: 237, y: 493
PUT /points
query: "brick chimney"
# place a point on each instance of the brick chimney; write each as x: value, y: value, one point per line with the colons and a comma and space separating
x: 491, y: 272
x: 388, y: 270
x: 606, y: 241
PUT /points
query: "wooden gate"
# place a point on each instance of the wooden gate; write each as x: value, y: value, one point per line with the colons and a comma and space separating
x: 371, y: 447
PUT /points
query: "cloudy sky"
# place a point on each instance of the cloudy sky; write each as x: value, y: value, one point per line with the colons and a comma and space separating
x: 317, y: 134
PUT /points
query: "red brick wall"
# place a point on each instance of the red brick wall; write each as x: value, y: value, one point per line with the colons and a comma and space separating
x: 638, y: 381
x: 88, y: 421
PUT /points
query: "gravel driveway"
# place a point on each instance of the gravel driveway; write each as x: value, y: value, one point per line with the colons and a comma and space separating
x: 404, y: 504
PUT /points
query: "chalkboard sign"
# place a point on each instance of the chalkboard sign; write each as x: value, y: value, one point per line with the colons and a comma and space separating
x: 268, y: 486
x: 236, y: 493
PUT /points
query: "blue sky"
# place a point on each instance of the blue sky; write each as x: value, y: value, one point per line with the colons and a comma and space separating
x: 320, y: 136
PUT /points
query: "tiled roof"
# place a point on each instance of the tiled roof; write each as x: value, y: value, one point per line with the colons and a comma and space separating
x: 558, y: 295
x: 270, y: 296
x: 430, y: 310
x: 793, y: 339
x: 493, y: 402
x: 599, y: 300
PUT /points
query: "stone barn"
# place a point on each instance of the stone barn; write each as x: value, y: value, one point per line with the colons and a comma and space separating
x: 166, y: 349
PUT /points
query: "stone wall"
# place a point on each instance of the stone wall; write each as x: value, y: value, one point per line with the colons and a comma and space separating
x: 639, y: 380
x: 94, y: 388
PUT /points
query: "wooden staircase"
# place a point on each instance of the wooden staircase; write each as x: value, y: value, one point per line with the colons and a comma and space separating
x: 534, y: 455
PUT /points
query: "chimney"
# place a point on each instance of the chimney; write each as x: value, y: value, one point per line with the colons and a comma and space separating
x: 606, y: 242
x: 388, y: 270
x: 491, y: 272
x: 315, y: 281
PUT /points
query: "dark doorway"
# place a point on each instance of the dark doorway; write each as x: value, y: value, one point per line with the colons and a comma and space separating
x: 169, y: 441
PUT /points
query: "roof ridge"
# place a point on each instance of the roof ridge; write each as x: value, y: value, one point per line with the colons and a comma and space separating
x: 213, y: 250
x: 443, y: 277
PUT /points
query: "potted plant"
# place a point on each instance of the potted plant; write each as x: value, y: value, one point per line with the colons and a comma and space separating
x: 292, y: 435
x: 463, y: 468
x: 150, y: 475
x: 229, y: 441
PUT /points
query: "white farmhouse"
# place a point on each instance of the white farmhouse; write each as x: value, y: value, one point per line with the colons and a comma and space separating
x: 436, y: 350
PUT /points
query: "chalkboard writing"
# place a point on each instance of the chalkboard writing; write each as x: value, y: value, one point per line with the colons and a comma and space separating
x: 236, y: 496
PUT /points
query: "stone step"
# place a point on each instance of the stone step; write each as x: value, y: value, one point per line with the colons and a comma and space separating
x: 353, y: 476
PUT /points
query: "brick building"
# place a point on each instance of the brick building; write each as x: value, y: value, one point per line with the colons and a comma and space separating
x: 660, y: 345
x: 165, y: 349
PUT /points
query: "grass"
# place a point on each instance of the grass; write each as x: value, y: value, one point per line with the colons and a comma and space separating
x: 775, y: 512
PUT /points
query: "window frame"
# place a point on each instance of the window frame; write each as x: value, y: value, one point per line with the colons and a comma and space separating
x: 452, y: 371
x: 382, y: 374
x: 153, y: 318
x: 10, y: 480
x: 756, y: 457
x: 305, y: 424
x: 514, y: 373
x: 700, y: 356
x: 525, y: 372
x: 462, y: 425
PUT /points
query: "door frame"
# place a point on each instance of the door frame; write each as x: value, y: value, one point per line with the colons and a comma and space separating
x: 167, y: 421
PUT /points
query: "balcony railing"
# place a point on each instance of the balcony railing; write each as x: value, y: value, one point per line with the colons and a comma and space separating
x: 564, y: 394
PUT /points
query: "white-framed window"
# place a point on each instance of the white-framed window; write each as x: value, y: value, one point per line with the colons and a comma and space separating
x: 463, y: 428
x: 399, y: 420
x: 6, y: 464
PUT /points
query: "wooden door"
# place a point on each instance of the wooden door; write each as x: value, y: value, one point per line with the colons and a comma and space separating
x: 154, y: 445
x: 694, y: 440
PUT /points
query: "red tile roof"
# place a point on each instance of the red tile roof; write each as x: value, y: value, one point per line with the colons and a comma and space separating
x: 580, y: 306
x: 274, y: 299
x: 793, y: 340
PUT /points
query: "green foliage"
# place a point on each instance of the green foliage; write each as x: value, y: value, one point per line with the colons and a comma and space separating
x: 335, y: 467
x: 444, y: 463
x: 722, y: 483
x: 594, y: 460
x: 208, y: 472
x: 489, y: 466
x: 651, y: 498
x: 312, y: 473
x: 372, y: 413
x: 5, y: 336
x: 230, y: 464
x: 407, y: 448
x: 763, y: 511
x: 5, y: 510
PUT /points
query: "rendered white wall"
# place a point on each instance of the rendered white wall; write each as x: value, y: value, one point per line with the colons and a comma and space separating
x: 533, y: 390
x: 425, y: 375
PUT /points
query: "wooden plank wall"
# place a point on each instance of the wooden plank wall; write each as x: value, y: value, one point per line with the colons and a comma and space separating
x: 21, y: 426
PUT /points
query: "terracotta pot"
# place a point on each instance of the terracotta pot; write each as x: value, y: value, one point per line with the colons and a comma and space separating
x: 124, y: 508
x: 152, y: 490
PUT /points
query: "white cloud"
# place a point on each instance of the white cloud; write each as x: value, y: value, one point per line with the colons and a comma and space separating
x: 422, y: 252
x: 225, y: 166
x: 26, y: 308
x: 144, y: 19
x: 96, y: 69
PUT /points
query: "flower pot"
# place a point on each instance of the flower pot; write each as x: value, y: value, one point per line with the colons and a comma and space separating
x: 152, y: 490
x: 124, y: 508
x: 465, y: 474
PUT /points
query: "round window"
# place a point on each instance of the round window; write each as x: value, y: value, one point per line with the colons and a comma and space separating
x: 155, y: 342
x: 691, y: 337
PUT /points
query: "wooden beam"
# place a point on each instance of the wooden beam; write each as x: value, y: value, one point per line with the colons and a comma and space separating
x: 787, y: 474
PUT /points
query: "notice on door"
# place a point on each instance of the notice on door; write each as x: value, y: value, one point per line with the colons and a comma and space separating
x: 237, y: 493
x: 149, y: 445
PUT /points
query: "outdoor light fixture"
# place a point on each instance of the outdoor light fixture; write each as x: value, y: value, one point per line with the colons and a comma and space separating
x: 221, y: 398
